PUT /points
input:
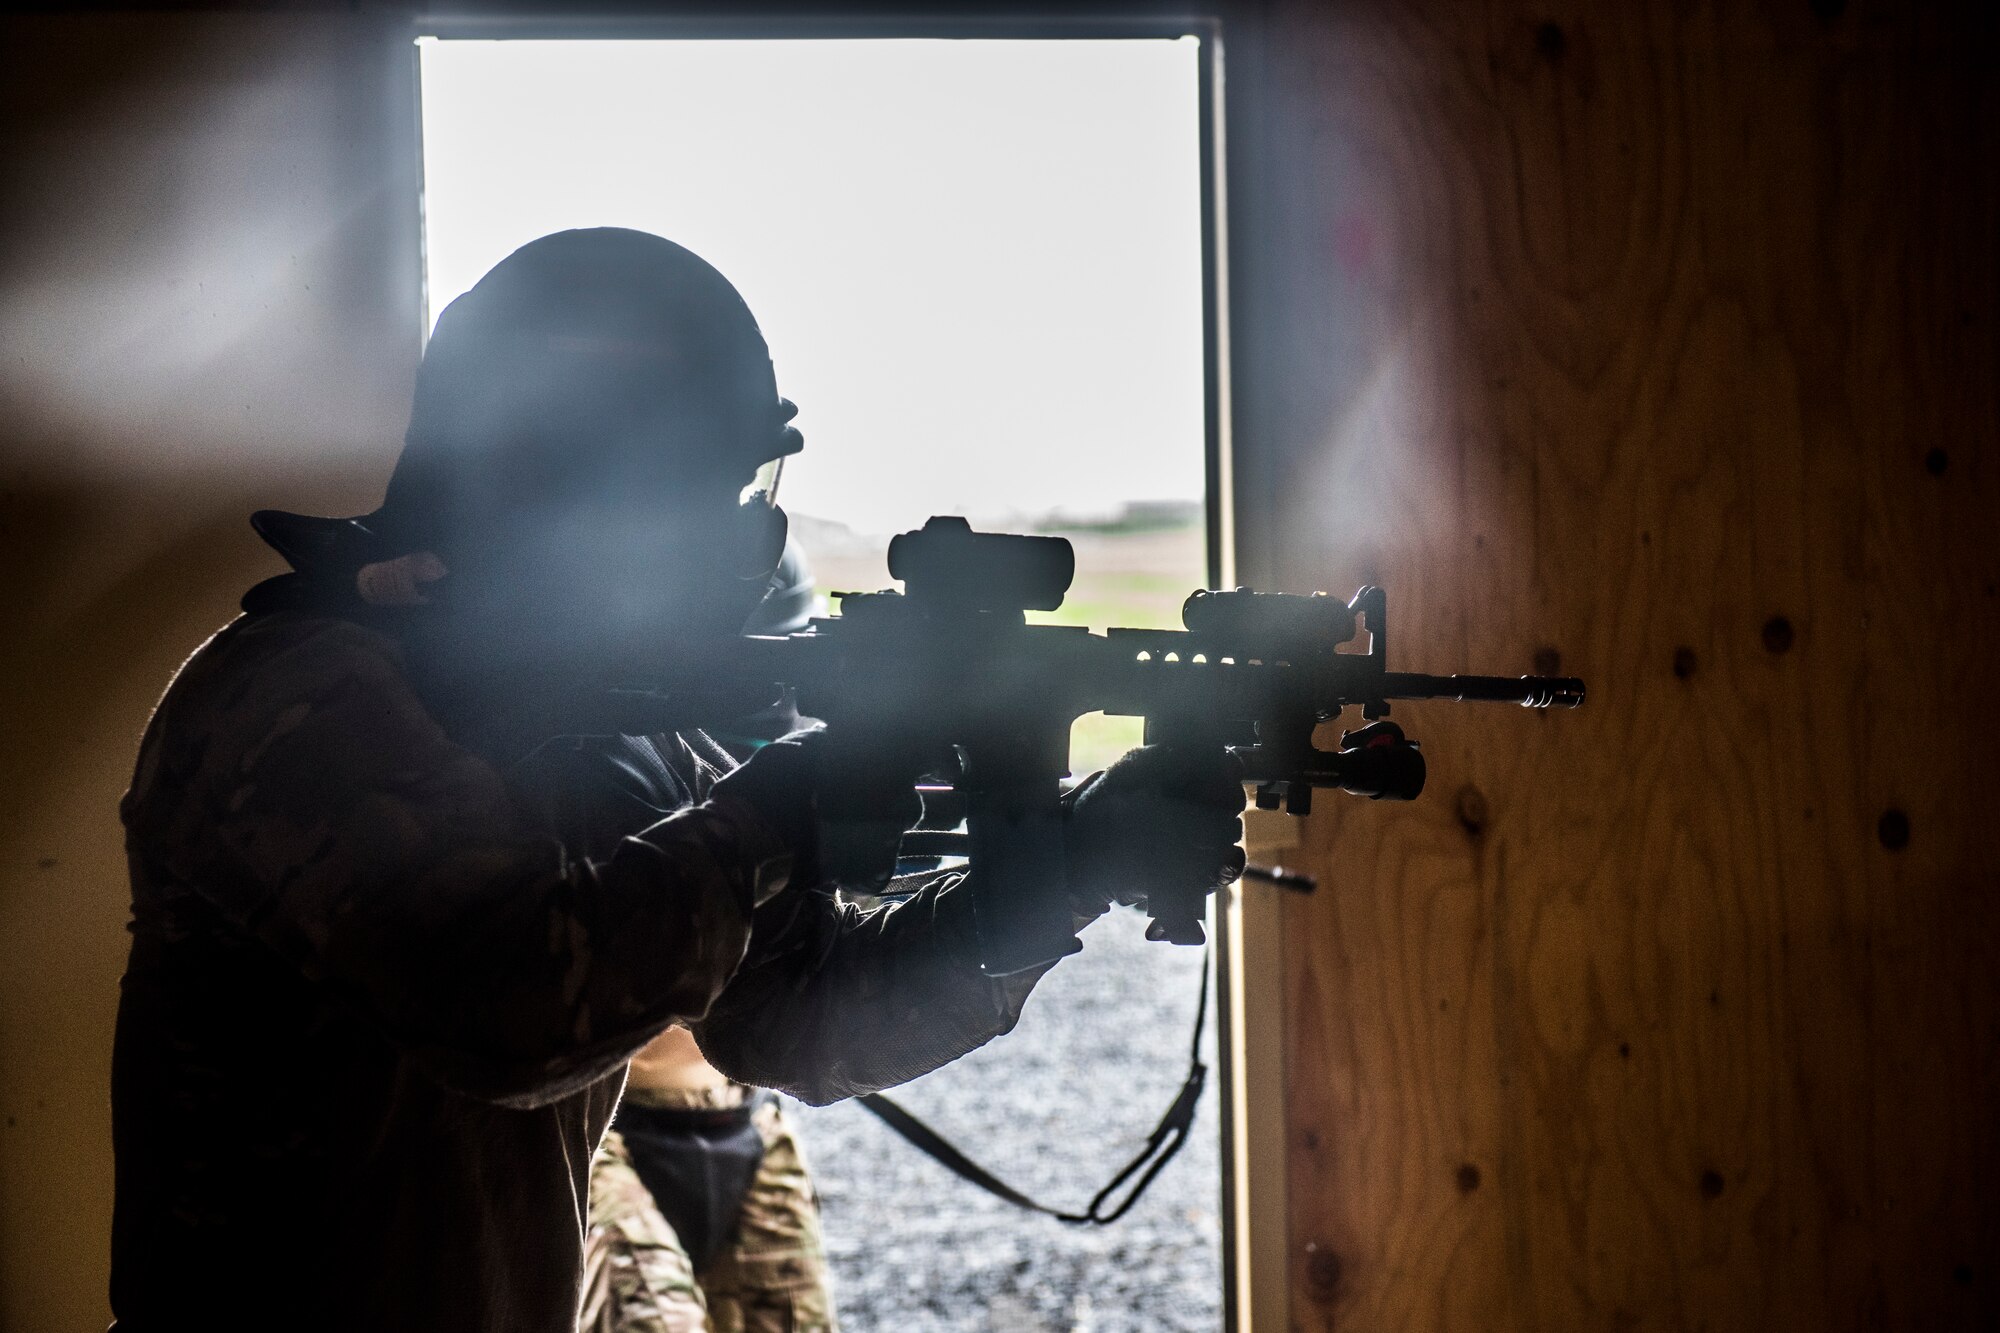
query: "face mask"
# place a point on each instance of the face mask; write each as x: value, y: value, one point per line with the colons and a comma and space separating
x: 605, y: 592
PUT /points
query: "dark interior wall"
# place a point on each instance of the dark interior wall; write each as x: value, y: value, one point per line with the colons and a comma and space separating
x: 1656, y: 341
x: 207, y: 305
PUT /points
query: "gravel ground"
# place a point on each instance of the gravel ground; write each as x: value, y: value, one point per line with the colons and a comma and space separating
x: 1054, y: 1109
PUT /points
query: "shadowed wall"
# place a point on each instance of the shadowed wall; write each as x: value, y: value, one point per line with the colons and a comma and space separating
x: 208, y: 304
x: 1655, y: 344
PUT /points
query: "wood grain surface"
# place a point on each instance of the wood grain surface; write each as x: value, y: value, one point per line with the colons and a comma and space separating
x: 1655, y: 344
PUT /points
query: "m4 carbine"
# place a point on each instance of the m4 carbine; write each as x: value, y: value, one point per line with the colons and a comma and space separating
x: 950, y: 667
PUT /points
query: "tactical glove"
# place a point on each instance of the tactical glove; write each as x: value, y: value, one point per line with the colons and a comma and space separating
x: 841, y: 806
x: 1160, y: 820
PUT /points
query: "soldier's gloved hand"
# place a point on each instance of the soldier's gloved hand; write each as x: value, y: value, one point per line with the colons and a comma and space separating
x: 867, y: 801
x: 1159, y: 821
x: 840, y: 802
x: 779, y: 782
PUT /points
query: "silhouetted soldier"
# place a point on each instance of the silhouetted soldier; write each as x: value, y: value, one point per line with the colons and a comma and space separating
x: 409, y: 890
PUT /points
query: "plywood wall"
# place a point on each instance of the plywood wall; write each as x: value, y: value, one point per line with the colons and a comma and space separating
x: 1655, y: 343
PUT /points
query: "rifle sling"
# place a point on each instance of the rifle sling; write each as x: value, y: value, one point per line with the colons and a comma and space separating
x: 1161, y: 1146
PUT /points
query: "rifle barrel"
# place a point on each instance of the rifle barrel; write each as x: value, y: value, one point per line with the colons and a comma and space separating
x: 1528, y: 691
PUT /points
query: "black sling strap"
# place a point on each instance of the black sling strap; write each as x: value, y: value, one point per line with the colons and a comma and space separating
x: 1166, y: 1140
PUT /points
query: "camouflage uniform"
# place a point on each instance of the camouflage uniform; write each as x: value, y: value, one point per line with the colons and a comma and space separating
x: 770, y: 1278
x: 376, y: 1017
x: 636, y: 1276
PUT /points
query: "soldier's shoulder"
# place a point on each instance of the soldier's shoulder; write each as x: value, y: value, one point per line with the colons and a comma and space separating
x: 257, y: 675
x: 258, y: 667
x: 291, y: 652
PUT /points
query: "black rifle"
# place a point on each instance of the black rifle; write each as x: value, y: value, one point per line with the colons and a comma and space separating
x: 949, y: 667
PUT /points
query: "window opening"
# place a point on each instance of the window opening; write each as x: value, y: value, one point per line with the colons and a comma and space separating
x: 978, y: 263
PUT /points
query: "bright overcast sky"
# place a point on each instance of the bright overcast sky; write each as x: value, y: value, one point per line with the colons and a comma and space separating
x: 977, y: 262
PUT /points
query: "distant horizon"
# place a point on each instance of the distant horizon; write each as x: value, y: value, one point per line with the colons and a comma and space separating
x: 1161, y: 513
x: 992, y: 307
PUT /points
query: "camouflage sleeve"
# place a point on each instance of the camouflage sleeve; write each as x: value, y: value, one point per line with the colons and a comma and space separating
x: 833, y: 1001
x: 326, y: 813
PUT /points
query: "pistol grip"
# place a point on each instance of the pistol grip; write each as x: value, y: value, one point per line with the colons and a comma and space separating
x: 1020, y: 893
